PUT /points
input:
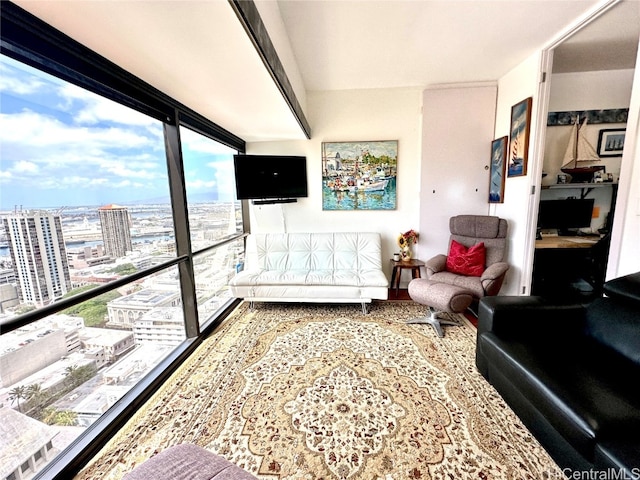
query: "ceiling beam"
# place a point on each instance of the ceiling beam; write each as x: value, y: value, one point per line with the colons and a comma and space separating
x: 248, y: 15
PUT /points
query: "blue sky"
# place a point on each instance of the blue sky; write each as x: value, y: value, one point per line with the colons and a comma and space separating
x: 354, y: 149
x: 61, y: 145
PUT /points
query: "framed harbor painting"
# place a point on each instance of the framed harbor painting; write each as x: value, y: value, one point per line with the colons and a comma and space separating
x: 359, y: 175
x: 496, y: 170
x: 519, y: 138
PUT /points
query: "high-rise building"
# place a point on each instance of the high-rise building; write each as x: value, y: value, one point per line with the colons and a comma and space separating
x: 39, y: 256
x: 115, y: 222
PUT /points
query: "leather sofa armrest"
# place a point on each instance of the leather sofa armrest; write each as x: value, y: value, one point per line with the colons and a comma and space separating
x: 625, y: 288
x: 435, y: 264
x: 529, y: 317
x: 493, y: 277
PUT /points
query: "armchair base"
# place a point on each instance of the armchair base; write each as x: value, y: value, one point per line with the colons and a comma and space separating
x: 436, y: 319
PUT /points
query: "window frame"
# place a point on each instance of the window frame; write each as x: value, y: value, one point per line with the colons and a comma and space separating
x: 31, y: 41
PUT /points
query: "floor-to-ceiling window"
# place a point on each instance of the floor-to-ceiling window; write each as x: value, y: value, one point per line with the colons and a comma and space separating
x: 119, y: 231
x: 214, y: 216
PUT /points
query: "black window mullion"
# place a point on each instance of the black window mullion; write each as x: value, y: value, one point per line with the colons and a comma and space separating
x: 179, y: 207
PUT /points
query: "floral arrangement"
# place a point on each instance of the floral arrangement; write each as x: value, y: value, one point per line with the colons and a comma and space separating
x: 407, y: 238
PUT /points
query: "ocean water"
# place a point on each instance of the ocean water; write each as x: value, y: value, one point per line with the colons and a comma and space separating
x: 383, y: 200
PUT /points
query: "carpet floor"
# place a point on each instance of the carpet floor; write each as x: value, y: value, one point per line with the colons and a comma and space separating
x: 325, y: 392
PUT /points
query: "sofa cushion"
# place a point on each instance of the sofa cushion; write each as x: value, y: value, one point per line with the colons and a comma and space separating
x: 469, y: 283
x: 625, y: 288
x: 618, y: 332
x: 620, y: 456
x: 583, y: 392
x: 315, y: 251
x: 315, y: 267
x: 374, y: 278
x: 310, y: 293
x: 466, y: 261
x: 187, y: 462
x: 471, y: 229
x: 477, y: 226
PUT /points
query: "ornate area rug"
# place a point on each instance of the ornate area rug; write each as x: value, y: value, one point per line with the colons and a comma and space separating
x: 325, y: 392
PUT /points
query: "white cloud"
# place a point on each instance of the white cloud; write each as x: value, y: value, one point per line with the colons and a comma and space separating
x: 128, y: 184
x: 35, y: 130
x: 48, y: 154
x: 74, y: 181
x: 25, y: 166
x: 121, y: 170
x: 198, y: 184
x: 19, y: 87
x: 94, y: 109
x: 81, y: 143
x: 199, y: 143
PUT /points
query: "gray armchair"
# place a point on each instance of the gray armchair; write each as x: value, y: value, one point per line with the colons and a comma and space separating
x: 470, y: 230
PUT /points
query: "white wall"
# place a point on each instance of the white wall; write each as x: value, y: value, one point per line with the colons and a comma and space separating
x: 390, y: 114
x: 457, y: 132
x: 590, y: 90
x: 518, y: 207
x: 272, y: 19
x: 624, y: 257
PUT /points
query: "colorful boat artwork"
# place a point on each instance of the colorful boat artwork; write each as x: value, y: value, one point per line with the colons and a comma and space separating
x: 359, y: 175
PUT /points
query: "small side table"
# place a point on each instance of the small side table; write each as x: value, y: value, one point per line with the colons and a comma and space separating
x: 413, y: 264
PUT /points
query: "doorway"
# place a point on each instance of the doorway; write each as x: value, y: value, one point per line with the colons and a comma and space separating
x: 591, y: 79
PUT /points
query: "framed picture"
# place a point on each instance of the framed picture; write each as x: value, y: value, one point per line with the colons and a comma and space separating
x: 496, y: 171
x: 519, y: 138
x: 611, y: 142
x: 359, y: 175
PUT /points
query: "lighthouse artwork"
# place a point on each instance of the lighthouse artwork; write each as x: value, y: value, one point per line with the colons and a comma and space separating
x: 519, y: 138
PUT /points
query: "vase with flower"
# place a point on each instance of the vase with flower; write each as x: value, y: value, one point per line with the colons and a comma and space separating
x: 405, y: 241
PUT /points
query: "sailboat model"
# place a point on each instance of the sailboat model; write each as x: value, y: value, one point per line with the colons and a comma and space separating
x: 580, y: 157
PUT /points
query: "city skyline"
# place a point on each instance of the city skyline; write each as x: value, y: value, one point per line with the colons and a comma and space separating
x: 61, y: 145
x: 39, y: 257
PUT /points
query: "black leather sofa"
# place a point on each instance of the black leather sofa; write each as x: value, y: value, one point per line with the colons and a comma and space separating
x: 571, y: 373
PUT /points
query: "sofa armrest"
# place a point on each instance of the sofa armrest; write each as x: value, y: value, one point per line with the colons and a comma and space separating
x: 493, y: 277
x: 187, y: 462
x: 529, y: 317
x: 625, y: 288
x: 435, y: 264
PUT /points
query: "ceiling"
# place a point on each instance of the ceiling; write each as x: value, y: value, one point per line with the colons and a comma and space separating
x: 197, y: 52
x: 610, y: 42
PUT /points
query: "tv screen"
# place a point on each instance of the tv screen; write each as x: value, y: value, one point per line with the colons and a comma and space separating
x: 270, y: 176
x: 566, y: 214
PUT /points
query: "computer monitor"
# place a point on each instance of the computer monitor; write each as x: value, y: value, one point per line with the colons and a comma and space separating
x: 567, y: 216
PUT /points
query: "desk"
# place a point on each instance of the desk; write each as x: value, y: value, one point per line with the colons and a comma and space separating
x: 414, y: 265
x: 558, y: 241
x: 568, y: 267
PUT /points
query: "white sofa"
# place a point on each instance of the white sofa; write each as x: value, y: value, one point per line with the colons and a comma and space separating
x: 312, y: 267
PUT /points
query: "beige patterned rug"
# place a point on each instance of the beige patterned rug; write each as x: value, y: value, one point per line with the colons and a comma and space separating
x: 324, y: 392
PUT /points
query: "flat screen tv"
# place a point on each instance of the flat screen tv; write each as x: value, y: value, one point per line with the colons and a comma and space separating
x: 565, y: 215
x: 270, y: 177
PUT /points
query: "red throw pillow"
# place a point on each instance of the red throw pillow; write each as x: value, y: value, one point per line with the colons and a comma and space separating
x: 466, y: 261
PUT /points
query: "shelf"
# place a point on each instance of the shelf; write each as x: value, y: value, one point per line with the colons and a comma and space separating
x: 585, y: 188
x: 579, y: 185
